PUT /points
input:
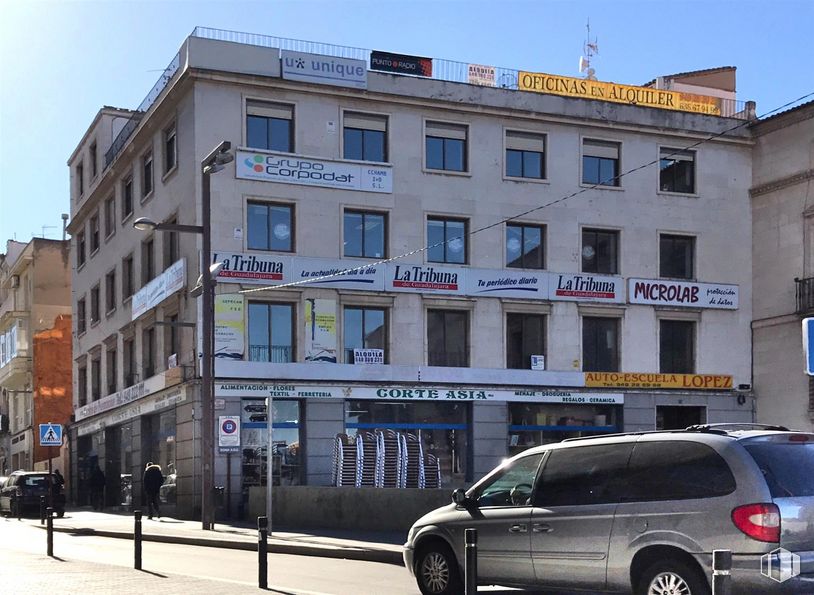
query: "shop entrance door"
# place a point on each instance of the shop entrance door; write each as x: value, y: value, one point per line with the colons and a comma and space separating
x: 678, y: 417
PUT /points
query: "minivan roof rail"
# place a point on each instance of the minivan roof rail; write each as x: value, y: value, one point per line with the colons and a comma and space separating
x: 726, y: 427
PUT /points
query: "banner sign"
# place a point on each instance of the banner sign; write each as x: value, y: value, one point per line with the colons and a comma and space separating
x: 418, y: 278
x: 370, y: 278
x: 368, y: 356
x: 661, y: 292
x: 508, y: 283
x: 565, y: 86
x: 287, y: 169
x: 400, y: 63
x: 323, y: 70
x: 586, y: 286
x: 142, y: 407
x: 265, y: 269
x: 229, y: 325
x: 481, y: 75
x: 320, y: 330
x: 156, y: 291
x: 646, y: 380
x: 127, y: 395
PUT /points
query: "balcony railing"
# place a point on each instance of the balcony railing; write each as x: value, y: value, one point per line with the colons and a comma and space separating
x: 805, y: 295
x: 277, y: 354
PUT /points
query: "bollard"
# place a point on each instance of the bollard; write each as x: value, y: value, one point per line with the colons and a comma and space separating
x: 471, y: 561
x: 42, y: 510
x: 262, y: 552
x: 18, y: 504
x: 137, y: 539
x: 50, y: 529
x: 721, y: 572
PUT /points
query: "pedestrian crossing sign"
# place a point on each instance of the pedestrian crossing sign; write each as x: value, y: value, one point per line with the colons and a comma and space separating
x: 50, y: 434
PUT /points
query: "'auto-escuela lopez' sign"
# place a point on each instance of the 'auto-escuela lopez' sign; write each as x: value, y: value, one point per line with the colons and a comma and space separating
x: 646, y: 380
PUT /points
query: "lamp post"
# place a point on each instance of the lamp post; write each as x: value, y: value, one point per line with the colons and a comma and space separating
x: 212, y: 163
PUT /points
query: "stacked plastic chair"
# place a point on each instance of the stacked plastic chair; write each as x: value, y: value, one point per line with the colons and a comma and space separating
x: 432, y: 472
x: 367, y: 455
x: 389, y: 463
x: 344, y: 467
x: 412, y: 462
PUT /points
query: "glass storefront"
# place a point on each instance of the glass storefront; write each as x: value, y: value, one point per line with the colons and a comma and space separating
x: 533, y: 424
x: 162, y: 452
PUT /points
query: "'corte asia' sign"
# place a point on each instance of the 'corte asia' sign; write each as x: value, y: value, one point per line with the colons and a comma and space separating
x: 682, y: 294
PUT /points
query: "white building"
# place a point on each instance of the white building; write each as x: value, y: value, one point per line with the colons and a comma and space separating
x: 635, y: 288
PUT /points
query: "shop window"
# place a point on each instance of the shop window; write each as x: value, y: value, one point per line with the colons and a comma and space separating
x: 365, y: 234
x: 364, y: 328
x: 525, y: 246
x: 677, y: 171
x: 110, y: 291
x: 110, y: 216
x: 270, y: 126
x: 445, y: 146
x: 287, y: 453
x: 127, y: 197
x: 128, y: 277
x: 600, y: 251
x: 534, y: 424
x: 525, y: 155
x: 600, y: 344
x: 82, y: 386
x: 511, y: 485
x: 678, y: 417
x: 676, y: 256
x: 147, y: 261
x: 525, y: 336
x: 147, y: 174
x: 600, y: 162
x: 447, y: 338
x: 677, y: 347
x: 80, y: 249
x: 446, y: 240
x: 364, y: 137
x: 271, y: 332
x: 129, y: 362
x: 94, y: 233
x: 271, y: 226
x: 111, y: 372
x: 162, y: 444
x: 148, y: 352
x: 81, y: 316
x: 95, y: 379
x: 170, y: 149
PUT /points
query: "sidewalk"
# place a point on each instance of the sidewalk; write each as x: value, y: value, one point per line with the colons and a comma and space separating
x: 372, y: 546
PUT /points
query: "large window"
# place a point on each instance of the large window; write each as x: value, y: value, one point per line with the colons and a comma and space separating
x: 82, y: 386
x: 129, y: 362
x: 525, y: 155
x: 96, y: 379
x: 363, y: 328
x: 365, y: 234
x: 271, y: 332
x: 80, y: 179
x: 81, y: 316
x: 525, y: 336
x: 364, y: 137
x: 677, y: 346
x: 270, y: 126
x: 447, y: 338
x: 95, y: 305
x: 600, y: 162
x: 170, y: 148
x: 81, y: 254
x: 110, y: 216
x: 600, y: 251
x: 110, y: 291
x: 534, y: 424
x: 512, y: 485
x: 446, y: 239
x: 128, y: 277
x: 147, y: 174
x: 446, y: 146
x: 600, y: 344
x: 677, y: 171
x: 127, y: 197
x: 271, y: 226
x: 147, y: 261
x: 287, y: 451
x: 676, y: 256
x: 148, y: 354
x: 111, y: 374
x: 170, y: 244
x: 94, y: 160
x: 525, y: 246
x: 94, y: 233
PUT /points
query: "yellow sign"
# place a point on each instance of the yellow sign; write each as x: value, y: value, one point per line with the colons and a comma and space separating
x: 649, y: 380
x: 586, y: 89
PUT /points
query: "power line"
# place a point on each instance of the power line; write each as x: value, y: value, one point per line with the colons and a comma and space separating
x: 529, y: 211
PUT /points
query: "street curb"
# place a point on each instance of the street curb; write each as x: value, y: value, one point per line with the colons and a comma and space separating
x: 323, y: 551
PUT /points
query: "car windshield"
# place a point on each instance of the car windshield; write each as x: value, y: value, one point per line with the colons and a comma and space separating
x: 35, y: 481
x: 788, y: 467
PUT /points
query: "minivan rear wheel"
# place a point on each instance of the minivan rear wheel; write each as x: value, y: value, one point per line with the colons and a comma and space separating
x: 436, y: 570
x: 672, y: 577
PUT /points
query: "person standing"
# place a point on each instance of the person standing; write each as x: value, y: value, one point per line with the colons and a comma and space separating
x: 152, y: 480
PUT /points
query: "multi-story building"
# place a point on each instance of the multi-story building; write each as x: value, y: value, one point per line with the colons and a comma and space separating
x: 35, y: 357
x: 536, y: 265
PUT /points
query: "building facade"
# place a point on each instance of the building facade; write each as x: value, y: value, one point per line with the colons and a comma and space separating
x: 462, y: 270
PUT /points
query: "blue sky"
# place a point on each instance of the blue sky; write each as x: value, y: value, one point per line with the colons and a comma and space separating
x: 61, y: 60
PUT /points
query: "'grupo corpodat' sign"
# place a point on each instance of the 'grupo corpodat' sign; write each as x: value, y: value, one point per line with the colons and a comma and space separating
x: 686, y: 294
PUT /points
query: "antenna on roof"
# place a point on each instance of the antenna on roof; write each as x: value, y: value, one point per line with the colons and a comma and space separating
x: 589, y: 50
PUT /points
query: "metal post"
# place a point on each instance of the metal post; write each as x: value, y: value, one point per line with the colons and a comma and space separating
x: 50, y: 529
x: 471, y: 561
x: 228, y: 485
x: 721, y: 572
x: 262, y: 552
x: 269, y: 460
x: 207, y: 417
x: 137, y: 539
x: 19, y: 504
x: 42, y: 510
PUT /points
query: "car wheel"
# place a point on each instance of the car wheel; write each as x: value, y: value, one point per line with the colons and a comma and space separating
x: 672, y: 577
x: 436, y: 571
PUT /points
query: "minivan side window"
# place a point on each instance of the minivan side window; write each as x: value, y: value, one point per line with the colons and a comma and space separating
x: 676, y: 470
x: 512, y: 485
x: 582, y: 475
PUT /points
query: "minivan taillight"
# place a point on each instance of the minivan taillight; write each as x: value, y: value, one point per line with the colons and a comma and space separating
x: 758, y: 521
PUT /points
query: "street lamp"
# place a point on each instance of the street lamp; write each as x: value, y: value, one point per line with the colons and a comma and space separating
x: 212, y: 163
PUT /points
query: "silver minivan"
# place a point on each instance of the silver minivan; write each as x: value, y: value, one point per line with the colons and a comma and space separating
x: 638, y: 512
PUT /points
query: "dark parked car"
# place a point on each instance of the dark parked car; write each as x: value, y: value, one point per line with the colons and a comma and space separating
x: 22, y: 490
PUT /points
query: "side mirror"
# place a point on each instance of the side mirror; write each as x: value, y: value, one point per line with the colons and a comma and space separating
x: 460, y: 498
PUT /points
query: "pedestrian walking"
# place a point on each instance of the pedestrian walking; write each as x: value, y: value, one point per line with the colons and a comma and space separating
x: 152, y: 480
x: 97, y: 488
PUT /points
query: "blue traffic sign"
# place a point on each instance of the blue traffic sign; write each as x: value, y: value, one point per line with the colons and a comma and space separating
x: 50, y: 434
x: 808, y: 348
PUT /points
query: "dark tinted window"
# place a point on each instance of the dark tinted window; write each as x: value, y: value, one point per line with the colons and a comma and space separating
x: 788, y: 468
x: 582, y: 475
x: 676, y: 471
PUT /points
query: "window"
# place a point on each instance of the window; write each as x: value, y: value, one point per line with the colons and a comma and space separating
x: 94, y: 304
x: 600, y: 344
x: 127, y: 197
x: 365, y: 234
x: 363, y: 328
x: 147, y: 261
x: 677, y: 171
x: 676, y: 256
x: 270, y: 126
x: 170, y: 241
x: 446, y: 146
x: 80, y: 179
x: 525, y: 336
x: 600, y: 251
x: 447, y: 338
x: 787, y: 466
x: 170, y: 337
x: 147, y: 174
x: 94, y: 233
x: 93, y: 161
x: 110, y: 216
x: 129, y: 362
x: 95, y: 379
x: 271, y: 226
x: 128, y: 279
x: 511, y: 485
x: 82, y: 386
x: 148, y: 352
x: 80, y: 249
x: 583, y: 475
x: 271, y: 332
x: 364, y: 137
x: 525, y: 155
x: 81, y: 317
x: 110, y: 291
x: 170, y: 149
x: 677, y: 347
x: 525, y: 246
x: 110, y: 361
x: 600, y: 162
x: 446, y: 240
